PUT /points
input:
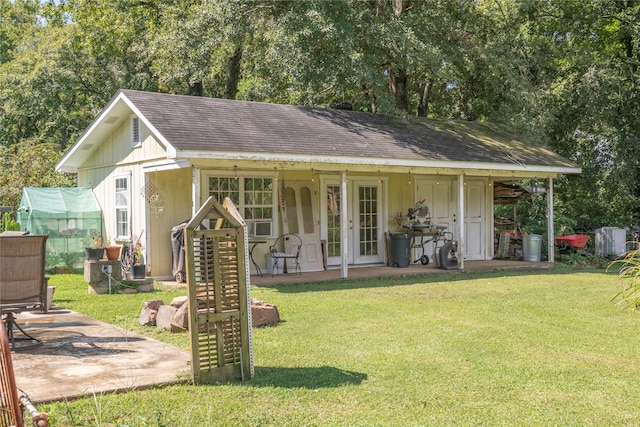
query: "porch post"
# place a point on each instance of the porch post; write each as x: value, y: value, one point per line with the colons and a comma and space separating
x: 344, y: 226
x: 550, y: 233
x: 461, y: 237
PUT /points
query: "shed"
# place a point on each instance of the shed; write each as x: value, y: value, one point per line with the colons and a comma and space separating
x: 153, y: 159
x: 69, y: 216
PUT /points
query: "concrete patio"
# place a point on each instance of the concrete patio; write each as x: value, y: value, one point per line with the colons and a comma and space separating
x: 80, y: 356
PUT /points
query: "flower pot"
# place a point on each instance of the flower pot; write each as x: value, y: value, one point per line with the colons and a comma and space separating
x: 113, y: 252
x: 94, y: 253
x: 138, y: 272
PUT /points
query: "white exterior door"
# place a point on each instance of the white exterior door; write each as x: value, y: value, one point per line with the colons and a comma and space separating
x: 440, y: 196
x: 301, y: 218
x: 365, y: 210
x: 474, y: 220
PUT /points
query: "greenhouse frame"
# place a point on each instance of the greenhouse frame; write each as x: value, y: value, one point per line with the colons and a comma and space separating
x: 69, y: 216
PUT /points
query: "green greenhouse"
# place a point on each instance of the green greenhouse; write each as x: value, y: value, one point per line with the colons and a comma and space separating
x: 69, y: 216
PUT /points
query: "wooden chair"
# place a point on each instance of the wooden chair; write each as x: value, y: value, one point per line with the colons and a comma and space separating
x: 286, y: 247
x: 13, y: 401
x: 23, y: 285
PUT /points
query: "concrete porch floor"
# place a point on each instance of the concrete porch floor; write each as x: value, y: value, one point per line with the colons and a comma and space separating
x: 81, y: 356
x: 376, y: 271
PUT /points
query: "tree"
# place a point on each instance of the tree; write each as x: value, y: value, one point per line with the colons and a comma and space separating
x: 29, y: 164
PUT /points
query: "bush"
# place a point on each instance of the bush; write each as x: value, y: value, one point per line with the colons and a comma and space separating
x: 8, y: 223
x: 629, y: 276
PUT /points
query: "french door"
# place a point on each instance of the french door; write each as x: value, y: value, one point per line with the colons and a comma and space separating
x: 365, y: 213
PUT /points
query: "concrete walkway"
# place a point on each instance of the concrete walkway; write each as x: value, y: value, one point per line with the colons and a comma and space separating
x: 81, y: 356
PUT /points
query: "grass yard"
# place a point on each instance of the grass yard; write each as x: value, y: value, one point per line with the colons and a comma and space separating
x: 493, y: 349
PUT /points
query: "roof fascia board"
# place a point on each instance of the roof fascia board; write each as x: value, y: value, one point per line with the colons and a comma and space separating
x: 60, y: 167
x: 171, y: 150
x: 364, y: 161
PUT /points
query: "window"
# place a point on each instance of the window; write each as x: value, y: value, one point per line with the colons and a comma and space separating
x: 122, y: 206
x: 253, y: 196
x: 135, y: 131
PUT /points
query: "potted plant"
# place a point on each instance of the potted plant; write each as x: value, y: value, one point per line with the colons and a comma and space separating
x: 138, y: 270
x: 96, y: 251
x: 113, y: 252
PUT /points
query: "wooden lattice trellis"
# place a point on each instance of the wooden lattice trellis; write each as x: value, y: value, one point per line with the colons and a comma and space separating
x: 218, y: 292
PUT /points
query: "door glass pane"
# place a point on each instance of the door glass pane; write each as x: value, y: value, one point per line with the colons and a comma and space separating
x: 368, y: 220
x: 292, y: 210
x: 333, y: 220
x: 307, y: 213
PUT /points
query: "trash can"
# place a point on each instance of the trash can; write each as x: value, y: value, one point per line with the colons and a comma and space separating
x: 400, y: 249
x: 531, y: 247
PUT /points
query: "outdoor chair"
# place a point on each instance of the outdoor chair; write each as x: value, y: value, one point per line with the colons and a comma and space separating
x: 13, y: 401
x: 286, y: 247
x: 23, y: 285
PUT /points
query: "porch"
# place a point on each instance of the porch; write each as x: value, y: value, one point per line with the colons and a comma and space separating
x: 383, y: 271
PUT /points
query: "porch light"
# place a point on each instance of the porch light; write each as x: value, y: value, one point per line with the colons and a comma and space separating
x: 235, y: 173
x: 536, y: 188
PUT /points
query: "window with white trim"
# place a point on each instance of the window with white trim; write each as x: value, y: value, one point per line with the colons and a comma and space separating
x: 123, y: 206
x: 254, y: 196
x: 135, y: 131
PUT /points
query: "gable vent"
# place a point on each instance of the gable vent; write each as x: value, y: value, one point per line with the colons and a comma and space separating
x: 135, y: 131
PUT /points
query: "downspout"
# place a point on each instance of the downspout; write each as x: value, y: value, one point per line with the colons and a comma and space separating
x: 344, y: 227
x: 550, y: 233
x: 461, y: 237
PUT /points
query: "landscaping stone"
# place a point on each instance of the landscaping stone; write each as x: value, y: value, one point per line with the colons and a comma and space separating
x: 177, y: 302
x: 165, y: 317
x: 150, y: 312
x: 154, y: 304
x: 148, y: 317
x: 263, y: 313
x: 181, y: 317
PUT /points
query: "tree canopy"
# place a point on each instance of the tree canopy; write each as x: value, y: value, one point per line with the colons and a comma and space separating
x: 562, y: 72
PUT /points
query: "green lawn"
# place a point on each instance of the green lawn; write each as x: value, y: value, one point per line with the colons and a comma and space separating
x: 503, y: 348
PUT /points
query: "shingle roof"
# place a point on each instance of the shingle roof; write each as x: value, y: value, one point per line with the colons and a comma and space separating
x: 209, y: 124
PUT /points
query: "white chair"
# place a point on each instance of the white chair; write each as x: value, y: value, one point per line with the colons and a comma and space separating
x: 286, y: 247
